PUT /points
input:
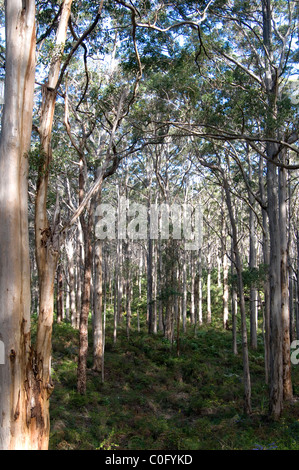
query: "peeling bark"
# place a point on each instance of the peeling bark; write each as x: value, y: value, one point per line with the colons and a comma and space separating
x: 18, y: 429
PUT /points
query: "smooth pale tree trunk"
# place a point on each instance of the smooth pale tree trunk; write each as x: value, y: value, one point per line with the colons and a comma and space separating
x: 225, y: 267
x: 119, y: 275
x: 98, y: 298
x: 23, y: 424
x: 98, y: 308
x: 184, y: 298
x: 60, y: 294
x: 218, y: 271
x: 128, y: 289
x: 149, y: 252
x: 70, y: 253
x: 266, y: 260
x: 104, y: 324
x: 47, y: 238
x: 83, y: 326
x: 199, y: 288
x: 115, y: 306
x: 234, y: 301
x: 67, y: 301
x: 225, y: 291
x: 150, y: 284
x: 209, y: 311
x: 80, y: 269
x: 192, y: 300
x: 87, y: 224
x: 252, y: 266
x: 238, y: 263
x: 139, y: 289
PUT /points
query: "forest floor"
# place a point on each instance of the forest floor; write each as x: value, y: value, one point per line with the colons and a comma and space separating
x: 153, y: 399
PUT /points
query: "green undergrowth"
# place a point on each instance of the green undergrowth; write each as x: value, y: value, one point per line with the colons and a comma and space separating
x: 153, y: 399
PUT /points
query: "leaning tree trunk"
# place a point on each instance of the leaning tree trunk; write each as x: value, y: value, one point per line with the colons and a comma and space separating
x: 21, y: 426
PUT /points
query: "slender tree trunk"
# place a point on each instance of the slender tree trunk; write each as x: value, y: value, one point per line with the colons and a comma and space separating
x: 80, y: 268
x: 155, y: 260
x: 60, y: 295
x: 184, y: 298
x: 266, y: 260
x: 192, y: 302
x: 252, y: 266
x: 104, y: 325
x: 246, y: 371
x: 47, y: 238
x: 70, y: 253
x: 128, y: 289
x: 139, y: 289
x: 83, y: 327
x: 98, y: 301
x: 209, y: 311
x: 199, y: 288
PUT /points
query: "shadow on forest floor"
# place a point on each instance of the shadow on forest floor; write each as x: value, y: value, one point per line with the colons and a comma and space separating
x: 154, y: 400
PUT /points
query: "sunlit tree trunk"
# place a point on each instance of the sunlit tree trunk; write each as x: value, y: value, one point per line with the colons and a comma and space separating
x: 47, y: 238
x: 23, y: 423
x: 285, y: 312
x: 98, y: 301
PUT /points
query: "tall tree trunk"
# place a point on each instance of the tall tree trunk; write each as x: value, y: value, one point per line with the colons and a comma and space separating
x: 234, y: 304
x: 285, y: 312
x: 47, y: 238
x: 98, y: 301
x: 246, y: 371
x: 60, y: 295
x: 155, y: 261
x: 209, y: 311
x: 184, y: 298
x: 192, y: 300
x: 266, y: 260
x: 199, y: 300
x: 80, y: 269
x: 276, y: 337
x: 252, y: 266
x: 70, y: 253
x: 128, y: 289
x: 83, y: 327
x: 23, y: 424
x: 276, y: 363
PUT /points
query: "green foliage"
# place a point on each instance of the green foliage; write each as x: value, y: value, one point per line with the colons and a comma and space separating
x: 252, y: 277
x: 152, y: 399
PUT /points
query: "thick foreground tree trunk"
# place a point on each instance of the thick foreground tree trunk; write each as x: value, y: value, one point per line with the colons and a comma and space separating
x: 21, y: 425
